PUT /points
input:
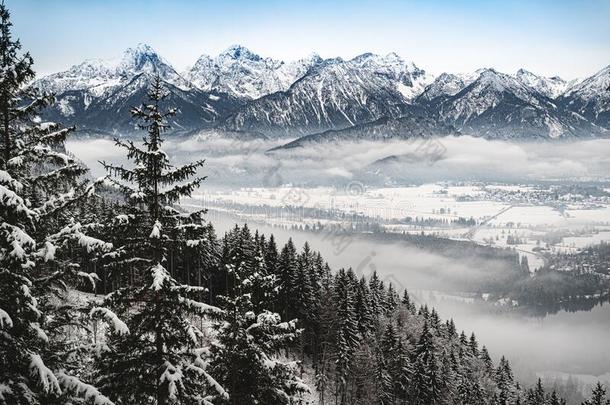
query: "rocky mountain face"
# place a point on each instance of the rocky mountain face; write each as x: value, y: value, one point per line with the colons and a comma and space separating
x: 335, y: 94
x: 415, y: 123
x: 378, y: 95
x: 550, y: 87
x: 444, y: 85
x: 100, y: 77
x: 590, y: 98
x: 97, y: 95
x: 243, y: 74
x: 497, y: 105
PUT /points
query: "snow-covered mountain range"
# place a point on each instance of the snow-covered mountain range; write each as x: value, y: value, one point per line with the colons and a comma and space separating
x: 243, y: 74
x: 382, y: 95
x: 336, y: 94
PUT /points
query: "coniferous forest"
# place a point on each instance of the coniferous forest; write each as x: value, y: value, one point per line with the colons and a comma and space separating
x: 111, y: 293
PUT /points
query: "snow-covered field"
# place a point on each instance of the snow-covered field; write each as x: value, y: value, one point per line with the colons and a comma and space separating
x: 525, y: 225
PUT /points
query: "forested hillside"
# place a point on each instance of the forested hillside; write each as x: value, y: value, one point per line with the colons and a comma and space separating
x: 187, y: 317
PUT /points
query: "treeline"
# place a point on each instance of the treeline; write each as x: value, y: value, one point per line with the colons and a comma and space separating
x: 593, y: 259
x: 565, y: 281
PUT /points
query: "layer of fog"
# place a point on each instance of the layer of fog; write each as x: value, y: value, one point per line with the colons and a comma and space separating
x: 233, y: 162
x: 575, y: 343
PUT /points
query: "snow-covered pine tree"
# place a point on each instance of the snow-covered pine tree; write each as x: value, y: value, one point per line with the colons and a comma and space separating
x: 383, y: 380
x: 362, y: 307
x: 391, y: 299
x: 554, y: 399
x: 402, y: 371
x: 241, y: 253
x: 407, y: 302
x: 377, y: 294
x: 245, y: 359
x: 426, y: 381
x: 598, y: 396
x: 303, y: 293
x: 537, y: 394
x: 286, y: 272
x: 154, y: 355
x: 271, y: 254
x: 327, y: 318
x: 38, y: 184
x: 487, y: 362
x: 346, y: 334
x: 397, y: 367
x: 308, y: 281
x: 473, y: 345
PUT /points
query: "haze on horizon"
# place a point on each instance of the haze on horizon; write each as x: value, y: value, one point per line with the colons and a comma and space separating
x: 565, y: 37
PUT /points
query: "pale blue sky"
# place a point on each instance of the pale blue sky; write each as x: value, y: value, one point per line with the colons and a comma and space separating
x: 570, y: 38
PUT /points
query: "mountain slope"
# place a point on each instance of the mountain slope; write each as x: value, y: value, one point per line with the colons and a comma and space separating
x: 243, y: 74
x: 241, y: 91
x: 97, y: 95
x: 550, y: 87
x: 335, y: 94
x: 446, y: 84
x: 591, y: 98
x: 498, y: 105
x: 415, y: 124
x: 101, y: 76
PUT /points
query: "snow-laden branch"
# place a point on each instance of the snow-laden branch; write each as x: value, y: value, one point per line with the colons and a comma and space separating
x: 5, y: 320
x: 111, y: 319
x: 7, y: 179
x: 87, y: 391
x: 74, y: 232
x: 160, y: 276
x: 200, y: 307
x: 47, y: 378
x: 156, y: 231
x: 92, y: 278
x: 172, y: 376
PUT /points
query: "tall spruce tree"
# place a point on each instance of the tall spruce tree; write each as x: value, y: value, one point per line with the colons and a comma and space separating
x: 245, y: 359
x: 362, y: 307
x: 39, y: 183
x: 154, y: 354
x: 598, y: 396
x: 287, y: 269
x: 346, y: 334
x: 426, y: 382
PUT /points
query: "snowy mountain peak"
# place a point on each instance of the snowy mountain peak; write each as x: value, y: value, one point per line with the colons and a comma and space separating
x: 97, y: 77
x: 598, y: 84
x: 142, y: 58
x: 243, y: 74
x: 550, y: 87
x: 140, y: 48
x: 312, y: 58
x: 525, y: 73
x: 487, y: 72
x: 591, y: 98
x: 446, y: 84
x: 363, y: 57
x: 492, y: 79
x: 240, y: 52
x: 316, y: 94
x: 393, y: 55
x: 391, y: 60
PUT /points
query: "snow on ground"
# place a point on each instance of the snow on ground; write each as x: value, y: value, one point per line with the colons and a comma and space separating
x: 579, y: 242
x: 430, y: 201
x: 598, y: 215
x: 530, y: 220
